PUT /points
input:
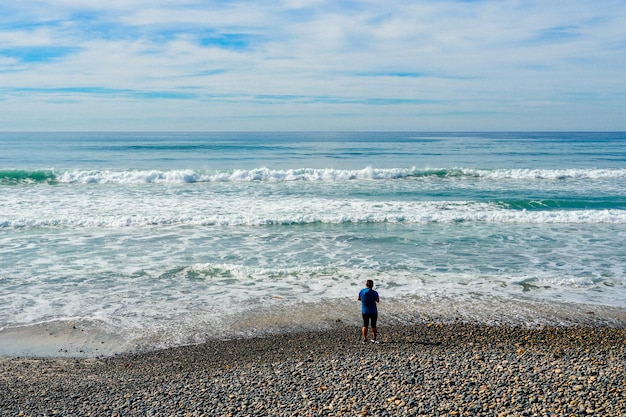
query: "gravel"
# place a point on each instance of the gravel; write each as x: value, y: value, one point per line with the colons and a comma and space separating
x: 428, y: 369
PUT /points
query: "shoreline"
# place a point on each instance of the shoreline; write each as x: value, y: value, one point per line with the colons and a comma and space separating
x: 422, y: 369
x: 83, y: 338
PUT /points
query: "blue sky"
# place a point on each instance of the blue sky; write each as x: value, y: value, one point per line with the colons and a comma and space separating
x: 313, y: 65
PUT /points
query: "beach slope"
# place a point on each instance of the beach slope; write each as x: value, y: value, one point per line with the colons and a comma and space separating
x: 425, y: 369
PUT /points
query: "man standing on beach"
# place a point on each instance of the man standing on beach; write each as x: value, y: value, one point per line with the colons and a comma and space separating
x: 369, y: 298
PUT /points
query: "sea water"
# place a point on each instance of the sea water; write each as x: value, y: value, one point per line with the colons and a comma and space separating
x: 116, y: 242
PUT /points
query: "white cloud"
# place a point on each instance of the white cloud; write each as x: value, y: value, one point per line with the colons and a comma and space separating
x: 204, y: 65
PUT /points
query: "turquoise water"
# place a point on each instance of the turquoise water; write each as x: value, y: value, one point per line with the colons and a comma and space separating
x: 145, y: 240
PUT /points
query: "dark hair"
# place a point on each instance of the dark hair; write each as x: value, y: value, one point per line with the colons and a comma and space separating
x: 369, y: 283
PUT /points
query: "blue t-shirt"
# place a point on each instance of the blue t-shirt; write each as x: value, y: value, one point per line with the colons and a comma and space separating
x: 368, y: 301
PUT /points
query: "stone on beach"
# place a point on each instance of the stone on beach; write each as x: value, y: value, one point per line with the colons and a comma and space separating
x: 438, y: 369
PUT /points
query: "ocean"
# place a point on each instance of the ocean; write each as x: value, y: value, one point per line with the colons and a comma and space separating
x: 123, y: 242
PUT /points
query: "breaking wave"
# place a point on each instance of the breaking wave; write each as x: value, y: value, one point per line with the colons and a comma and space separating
x: 301, y: 174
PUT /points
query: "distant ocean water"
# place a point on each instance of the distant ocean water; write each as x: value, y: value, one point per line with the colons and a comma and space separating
x: 112, y: 242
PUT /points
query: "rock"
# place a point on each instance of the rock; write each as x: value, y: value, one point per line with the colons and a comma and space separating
x: 491, y: 370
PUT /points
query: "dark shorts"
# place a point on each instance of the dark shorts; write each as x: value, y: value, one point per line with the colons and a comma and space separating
x: 367, y: 318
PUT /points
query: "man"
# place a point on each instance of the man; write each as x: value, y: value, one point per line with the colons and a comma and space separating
x: 369, y: 298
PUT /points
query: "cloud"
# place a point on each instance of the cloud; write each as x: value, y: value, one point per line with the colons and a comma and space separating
x: 312, y: 64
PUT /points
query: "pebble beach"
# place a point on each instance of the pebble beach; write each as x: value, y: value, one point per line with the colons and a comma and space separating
x: 429, y: 369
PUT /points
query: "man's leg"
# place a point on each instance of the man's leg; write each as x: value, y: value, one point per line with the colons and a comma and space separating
x: 366, y: 323
x: 374, y: 329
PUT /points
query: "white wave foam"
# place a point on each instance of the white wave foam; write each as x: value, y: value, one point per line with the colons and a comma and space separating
x: 300, y: 212
x: 306, y: 174
x: 129, y: 177
x: 238, y: 175
x: 548, y: 174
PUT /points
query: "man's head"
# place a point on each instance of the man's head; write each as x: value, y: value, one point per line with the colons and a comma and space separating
x: 369, y: 283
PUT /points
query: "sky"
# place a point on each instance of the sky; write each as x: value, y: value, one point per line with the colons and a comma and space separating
x: 312, y: 65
